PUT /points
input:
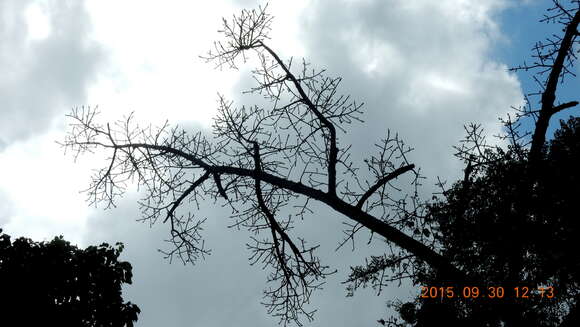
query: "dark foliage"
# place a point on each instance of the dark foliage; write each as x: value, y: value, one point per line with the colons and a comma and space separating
x: 57, y: 284
x: 507, y: 228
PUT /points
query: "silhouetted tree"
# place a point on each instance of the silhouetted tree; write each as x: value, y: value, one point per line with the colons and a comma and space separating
x: 56, y: 284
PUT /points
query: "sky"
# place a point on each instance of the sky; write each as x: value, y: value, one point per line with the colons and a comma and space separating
x: 423, y: 69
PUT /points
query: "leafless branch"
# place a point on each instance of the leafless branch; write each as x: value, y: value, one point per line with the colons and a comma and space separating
x: 257, y: 161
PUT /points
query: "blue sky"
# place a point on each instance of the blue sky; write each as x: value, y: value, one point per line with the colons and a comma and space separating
x: 520, y: 22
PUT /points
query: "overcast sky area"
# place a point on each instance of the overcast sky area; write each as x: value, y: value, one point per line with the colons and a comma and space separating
x: 423, y: 69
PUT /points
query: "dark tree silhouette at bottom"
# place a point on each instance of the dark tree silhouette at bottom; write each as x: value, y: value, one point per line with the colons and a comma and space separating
x: 57, y: 284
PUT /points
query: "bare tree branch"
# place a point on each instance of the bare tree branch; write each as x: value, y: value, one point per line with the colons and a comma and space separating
x: 398, y: 172
x: 556, y: 57
x: 261, y: 159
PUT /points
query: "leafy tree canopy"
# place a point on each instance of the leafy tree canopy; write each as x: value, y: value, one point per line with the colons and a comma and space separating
x: 509, y: 228
x: 57, y: 284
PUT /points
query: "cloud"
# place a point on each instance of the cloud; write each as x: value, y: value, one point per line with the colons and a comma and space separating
x: 48, y: 60
x: 6, y: 209
x: 40, y: 187
x: 423, y: 69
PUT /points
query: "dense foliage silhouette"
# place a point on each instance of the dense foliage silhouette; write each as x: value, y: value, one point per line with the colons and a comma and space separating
x: 509, y: 228
x: 57, y: 284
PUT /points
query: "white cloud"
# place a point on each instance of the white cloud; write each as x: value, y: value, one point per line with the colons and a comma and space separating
x: 38, y: 22
x: 48, y: 60
x: 42, y: 189
x: 155, y: 69
x: 423, y: 69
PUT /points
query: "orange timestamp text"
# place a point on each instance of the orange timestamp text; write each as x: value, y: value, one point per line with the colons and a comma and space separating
x: 490, y: 292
